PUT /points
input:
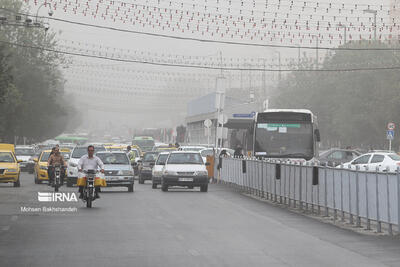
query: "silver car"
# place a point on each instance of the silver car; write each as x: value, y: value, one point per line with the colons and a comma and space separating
x: 117, y: 169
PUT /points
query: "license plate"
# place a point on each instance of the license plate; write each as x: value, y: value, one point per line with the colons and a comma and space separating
x: 185, y: 179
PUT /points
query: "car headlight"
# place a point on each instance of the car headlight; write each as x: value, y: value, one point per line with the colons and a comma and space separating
x: 169, y: 173
x: 125, y: 172
x: 201, y: 173
x: 12, y: 170
x: 43, y: 167
x: 73, y: 165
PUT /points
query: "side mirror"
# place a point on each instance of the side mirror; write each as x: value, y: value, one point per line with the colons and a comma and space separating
x: 35, y: 159
x: 317, y: 135
x: 207, y: 164
x: 19, y: 161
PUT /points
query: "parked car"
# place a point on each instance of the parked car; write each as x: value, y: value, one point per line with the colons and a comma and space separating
x: 185, y: 168
x: 146, y: 166
x: 25, y: 155
x: 336, y: 156
x: 373, y: 161
x: 158, y: 168
x: 118, y: 171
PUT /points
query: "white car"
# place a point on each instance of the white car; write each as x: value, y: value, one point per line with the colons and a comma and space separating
x: 185, y: 168
x: 158, y: 168
x: 382, y: 161
x: 25, y: 154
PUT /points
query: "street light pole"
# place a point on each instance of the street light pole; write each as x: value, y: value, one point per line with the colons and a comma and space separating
x: 374, y: 12
x: 37, y: 12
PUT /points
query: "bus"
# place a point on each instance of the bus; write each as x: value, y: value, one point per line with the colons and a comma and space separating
x: 286, y: 134
x: 146, y: 143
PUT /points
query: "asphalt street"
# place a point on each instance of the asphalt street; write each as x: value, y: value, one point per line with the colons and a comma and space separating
x: 175, y: 228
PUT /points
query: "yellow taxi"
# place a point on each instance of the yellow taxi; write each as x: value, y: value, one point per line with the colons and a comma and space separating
x: 9, y: 168
x: 40, y: 169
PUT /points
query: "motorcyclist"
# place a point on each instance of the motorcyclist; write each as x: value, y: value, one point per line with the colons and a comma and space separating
x: 56, y: 158
x: 90, y: 162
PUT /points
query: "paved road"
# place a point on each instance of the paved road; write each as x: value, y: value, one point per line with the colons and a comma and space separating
x: 178, y: 228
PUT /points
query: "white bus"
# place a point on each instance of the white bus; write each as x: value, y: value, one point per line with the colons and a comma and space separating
x: 285, y: 133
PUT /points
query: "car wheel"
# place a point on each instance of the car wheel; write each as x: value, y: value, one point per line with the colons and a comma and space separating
x: 204, y: 188
x: 164, y: 188
x: 154, y: 186
x: 36, y: 179
x: 17, y: 183
x: 130, y: 188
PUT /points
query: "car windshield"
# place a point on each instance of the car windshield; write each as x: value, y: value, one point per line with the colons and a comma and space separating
x: 284, y: 140
x: 185, y: 158
x: 24, y: 151
x: 162, y: 159
x: 113, y: 158
x: 79, y: 152
x: 45, y: 157
x: 6, y: 157
x: 394, y: 157
x: 150, y: 156
x: 144, y: 143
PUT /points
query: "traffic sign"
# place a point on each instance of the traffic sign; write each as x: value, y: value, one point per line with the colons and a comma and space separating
x: 207, y: 123
x: 391, y: 126
x: 244, y: 115
x: 390, y: 134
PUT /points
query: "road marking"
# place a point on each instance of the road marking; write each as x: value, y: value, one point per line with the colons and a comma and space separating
x: 5, y: 228
x: 194, y: 252
x: 14, y: 218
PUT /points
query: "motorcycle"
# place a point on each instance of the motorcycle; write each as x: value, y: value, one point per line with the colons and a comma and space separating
x: 57, y: 177
x: 89, y: 190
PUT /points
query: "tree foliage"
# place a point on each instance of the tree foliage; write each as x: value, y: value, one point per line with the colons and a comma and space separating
x: 31, y: 84
x: 353, y: 107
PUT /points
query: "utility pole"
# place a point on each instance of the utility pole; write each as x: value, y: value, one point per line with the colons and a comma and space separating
x: 264, y: 80
x: 298, y: 56
x: 317, y: 53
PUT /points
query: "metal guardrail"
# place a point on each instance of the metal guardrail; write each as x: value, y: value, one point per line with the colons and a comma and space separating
x: 359, y: 197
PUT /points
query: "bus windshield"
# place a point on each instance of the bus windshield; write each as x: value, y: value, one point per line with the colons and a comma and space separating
x: 284, y: 140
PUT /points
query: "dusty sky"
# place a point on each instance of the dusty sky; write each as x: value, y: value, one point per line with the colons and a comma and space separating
x: 140, y: 109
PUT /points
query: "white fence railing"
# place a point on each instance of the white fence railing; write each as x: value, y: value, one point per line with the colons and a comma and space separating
x: 361, y: 197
